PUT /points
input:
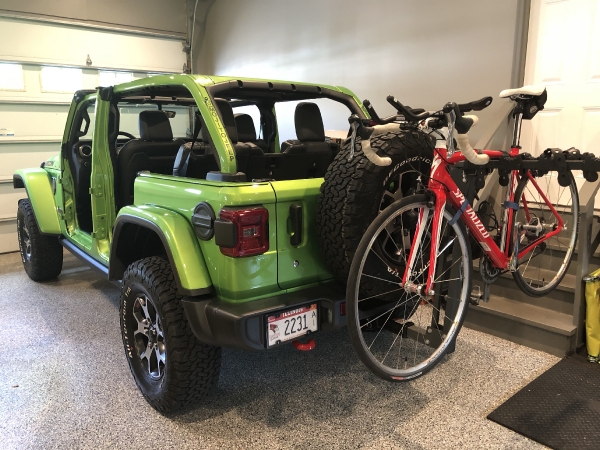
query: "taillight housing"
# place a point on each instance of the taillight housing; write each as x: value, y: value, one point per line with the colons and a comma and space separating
x: 242, y: 232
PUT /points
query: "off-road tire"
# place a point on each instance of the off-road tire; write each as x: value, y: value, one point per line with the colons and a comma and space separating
x: 191, y: 367
x: 352, y: 193
x: 42, y: 255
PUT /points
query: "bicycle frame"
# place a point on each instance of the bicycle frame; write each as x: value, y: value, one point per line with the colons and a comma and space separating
x: 444, y: 189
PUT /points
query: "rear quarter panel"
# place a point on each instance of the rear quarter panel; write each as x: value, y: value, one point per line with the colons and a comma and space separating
x: 234, y: 279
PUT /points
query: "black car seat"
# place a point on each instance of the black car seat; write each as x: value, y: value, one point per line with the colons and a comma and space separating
x: 309, y: 130
x: 195, y: 162
x: 243, y: 150
x: 154, y: 151
x: 247, y: 132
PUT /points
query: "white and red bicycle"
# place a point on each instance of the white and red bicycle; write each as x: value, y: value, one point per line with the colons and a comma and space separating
x: 410, y: 280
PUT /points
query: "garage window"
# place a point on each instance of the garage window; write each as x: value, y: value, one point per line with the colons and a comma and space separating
x: 61, y: 79
x: 109, y: 78
x: 11, y: 77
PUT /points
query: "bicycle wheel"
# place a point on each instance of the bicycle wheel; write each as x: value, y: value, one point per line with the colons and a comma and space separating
x: 400, y: 335
x: 543, y: 267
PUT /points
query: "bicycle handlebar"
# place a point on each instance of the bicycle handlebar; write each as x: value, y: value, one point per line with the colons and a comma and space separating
x: 407, y: 112
x: 375, y: 117
x: 454, y: 118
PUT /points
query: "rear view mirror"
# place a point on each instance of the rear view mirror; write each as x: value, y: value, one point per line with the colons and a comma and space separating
x: 170, y: 114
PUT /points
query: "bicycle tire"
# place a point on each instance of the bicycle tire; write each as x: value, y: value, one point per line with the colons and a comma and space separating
x: 398, y: 211
x: 529, y: 285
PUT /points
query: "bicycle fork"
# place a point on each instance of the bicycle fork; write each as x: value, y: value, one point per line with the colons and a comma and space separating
x: 432, y: 213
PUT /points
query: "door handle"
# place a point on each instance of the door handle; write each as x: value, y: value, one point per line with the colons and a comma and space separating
x: 296, y: 218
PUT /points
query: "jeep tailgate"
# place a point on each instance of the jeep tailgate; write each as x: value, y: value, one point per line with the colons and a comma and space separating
x: 299, y: 258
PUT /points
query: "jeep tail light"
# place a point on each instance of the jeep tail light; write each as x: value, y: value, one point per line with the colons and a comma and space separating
x: 242, y: 232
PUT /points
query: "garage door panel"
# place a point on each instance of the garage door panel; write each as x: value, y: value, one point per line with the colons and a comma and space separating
x: 28, y: 121
x: 8, y: 236
x: 9, y: 198
x: 19, y: 156
x: 46, y: 43
x: 37, y: 118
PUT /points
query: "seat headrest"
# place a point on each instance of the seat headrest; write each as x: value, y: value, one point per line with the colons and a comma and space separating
x: 245, y: 128
x: 154, y: 125
x: 226, y: 112
x: 309, y: 123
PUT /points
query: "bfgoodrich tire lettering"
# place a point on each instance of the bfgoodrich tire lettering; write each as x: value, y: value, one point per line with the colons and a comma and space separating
x: 189, y: 368
x: 356, y: 190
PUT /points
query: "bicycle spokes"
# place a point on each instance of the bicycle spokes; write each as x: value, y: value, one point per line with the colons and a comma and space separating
x: 548, y: 221
x: 403, y: 331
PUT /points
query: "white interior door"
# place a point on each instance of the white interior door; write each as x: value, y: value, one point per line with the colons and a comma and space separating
x: 563, y: 53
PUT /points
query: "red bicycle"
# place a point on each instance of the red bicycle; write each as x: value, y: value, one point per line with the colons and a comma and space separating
x: 410, y: 280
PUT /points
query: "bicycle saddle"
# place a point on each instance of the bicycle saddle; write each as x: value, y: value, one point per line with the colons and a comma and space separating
x: 534, y: 90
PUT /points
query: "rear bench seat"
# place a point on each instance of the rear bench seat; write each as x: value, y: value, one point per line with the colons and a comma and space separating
x: 308, y: 157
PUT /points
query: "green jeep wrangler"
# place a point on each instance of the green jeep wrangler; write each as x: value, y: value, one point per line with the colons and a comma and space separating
x: 185, y: 191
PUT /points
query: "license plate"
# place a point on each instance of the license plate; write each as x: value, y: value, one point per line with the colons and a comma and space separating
x: 291, y: 324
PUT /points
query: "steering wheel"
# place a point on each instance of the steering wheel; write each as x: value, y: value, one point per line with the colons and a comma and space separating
x: 122, y: 133
x: 126, y: 134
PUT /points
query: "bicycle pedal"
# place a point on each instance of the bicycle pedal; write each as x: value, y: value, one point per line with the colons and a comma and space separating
x: 476, y: 294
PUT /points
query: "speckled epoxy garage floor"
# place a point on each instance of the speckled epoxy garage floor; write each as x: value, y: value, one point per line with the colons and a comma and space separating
x: 65, y: 384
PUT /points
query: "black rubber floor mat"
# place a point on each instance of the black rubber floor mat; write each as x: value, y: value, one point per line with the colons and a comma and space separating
x: 560, y: 408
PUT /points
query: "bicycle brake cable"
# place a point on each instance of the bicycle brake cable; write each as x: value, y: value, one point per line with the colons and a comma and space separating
x: 355, y: 126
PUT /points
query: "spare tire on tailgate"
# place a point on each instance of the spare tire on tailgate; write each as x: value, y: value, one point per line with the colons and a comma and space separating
x: 356, y: 190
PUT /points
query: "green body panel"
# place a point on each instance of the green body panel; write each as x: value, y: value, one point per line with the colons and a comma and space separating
x: 302, y: 264
x: 181, y: 240
x: 101, y: 190
x: 38, y: 185
x: 234, y: 279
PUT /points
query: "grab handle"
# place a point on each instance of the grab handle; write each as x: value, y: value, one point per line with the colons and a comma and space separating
x: 296, y: 218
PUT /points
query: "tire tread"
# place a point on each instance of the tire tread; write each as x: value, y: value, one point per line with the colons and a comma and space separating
x: 194, y: 367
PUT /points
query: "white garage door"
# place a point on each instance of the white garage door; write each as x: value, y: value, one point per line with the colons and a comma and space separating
x: 41, y: 65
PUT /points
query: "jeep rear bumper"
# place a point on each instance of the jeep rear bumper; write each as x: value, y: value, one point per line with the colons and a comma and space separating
x: 243, y: 325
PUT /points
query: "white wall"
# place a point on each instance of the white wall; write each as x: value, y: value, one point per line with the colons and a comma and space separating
x: 424, y: 52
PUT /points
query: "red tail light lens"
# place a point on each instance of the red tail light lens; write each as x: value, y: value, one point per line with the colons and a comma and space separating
x: 251, y: 228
